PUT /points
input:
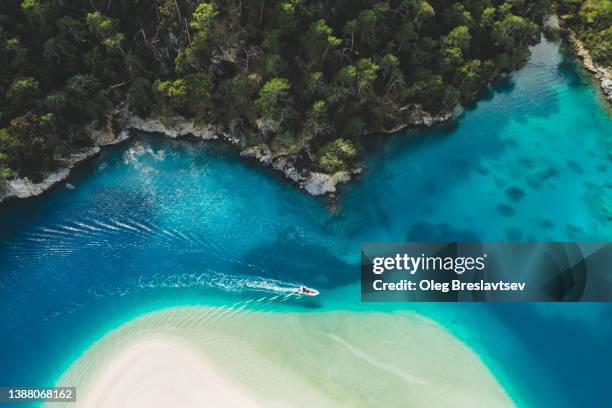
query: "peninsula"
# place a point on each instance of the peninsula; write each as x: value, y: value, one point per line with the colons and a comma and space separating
x: 294, y: 84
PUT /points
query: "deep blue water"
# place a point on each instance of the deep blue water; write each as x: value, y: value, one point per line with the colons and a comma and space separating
x: 155, y: 223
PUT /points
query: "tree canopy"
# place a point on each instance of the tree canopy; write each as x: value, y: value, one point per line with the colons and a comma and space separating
x: 592, y: 21
x: 297, y: 75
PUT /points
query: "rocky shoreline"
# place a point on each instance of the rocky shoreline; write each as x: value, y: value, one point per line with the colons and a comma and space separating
x: 602, y: 74
x: 23, y: 187
x: 312, y: 182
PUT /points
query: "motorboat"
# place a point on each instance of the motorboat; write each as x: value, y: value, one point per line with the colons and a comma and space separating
x: 304, y: 290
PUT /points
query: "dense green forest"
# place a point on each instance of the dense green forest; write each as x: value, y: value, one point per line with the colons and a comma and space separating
x: 301, y: 76
x: 592, y: 22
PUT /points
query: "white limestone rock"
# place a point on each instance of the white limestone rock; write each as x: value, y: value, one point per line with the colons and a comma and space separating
x: 287, y: 167
x: 427, y: 119
x: 606, y: 88
x: 24, y: 187
x: 176, y: 127
x: 259, y: 153
x: 320, y: 183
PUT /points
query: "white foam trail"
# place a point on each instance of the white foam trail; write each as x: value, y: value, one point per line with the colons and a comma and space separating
x: 221, y: 281
x: 102, y: 224
x: 144, y: 227
x: 121, y: 224
x: 89, y: 227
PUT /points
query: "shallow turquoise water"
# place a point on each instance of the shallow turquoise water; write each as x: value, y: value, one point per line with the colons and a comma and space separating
x: 156, y: 223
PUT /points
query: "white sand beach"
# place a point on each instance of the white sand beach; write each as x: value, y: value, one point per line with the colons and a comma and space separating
x: 161, y: 372
x: 231, y: 357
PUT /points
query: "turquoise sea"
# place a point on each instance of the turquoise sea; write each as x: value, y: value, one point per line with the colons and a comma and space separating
x: 156, y: 223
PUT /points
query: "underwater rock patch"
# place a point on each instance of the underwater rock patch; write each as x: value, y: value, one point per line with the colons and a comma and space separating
x: 575, y: 166
x: 600, y: 202
x: 547, y: 224
x: 515, y: 194
x: 573, y: 229
x: 514, y: 235
x: 505, y: 210
x: 536, y: 178
x: 482, y: 170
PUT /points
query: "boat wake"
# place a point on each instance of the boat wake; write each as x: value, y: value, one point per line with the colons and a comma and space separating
x: 217, y: 280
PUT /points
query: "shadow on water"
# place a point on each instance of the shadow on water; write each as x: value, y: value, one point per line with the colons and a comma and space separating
x: 502, y: 86
x: 291, y: 259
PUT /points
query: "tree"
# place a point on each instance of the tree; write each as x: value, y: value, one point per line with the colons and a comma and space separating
x: 13, y: 56
x: 193, y: 56
x: 199, y: 87
x: 272, y: 95
x: 317, y: 121
x: 460, y: 38
x: 139, y: 96
x: 22, y: 90
x: 274, y: 105
x: 172, y: 93
x: 234, y: 98
x: 406, y: 36
x: 593, y: 23
x: 514, y: 31
x: 470, y: 79
x: 272, y: 65
x: 368, y: 23
x: 5, y: 170
x: 358, y: 79
x: 289, y: 73
x: 72, y: 28
x: 337, y: 155
x: 59, y: 50
x: 8, y: 146
x: 202, y: 17
x: 80, y: 88
x: 39, y: 14
x: 487, y: 18
x: 315, y: 84
x: 105, y: 29
x: 457, y: 15
x: 288, y: 14
x: 84, y: 97
x: 391, y: 74
x: 319, y: 40
x: 8, y: 143
x: 56, y: 101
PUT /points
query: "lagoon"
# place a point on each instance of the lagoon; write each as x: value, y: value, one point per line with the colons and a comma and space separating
x: 157, y: 223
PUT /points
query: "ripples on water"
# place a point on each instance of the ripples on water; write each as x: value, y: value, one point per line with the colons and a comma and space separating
x: 158, y: 222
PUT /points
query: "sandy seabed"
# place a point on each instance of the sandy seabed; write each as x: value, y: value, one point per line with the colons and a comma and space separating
x: 233, y: 357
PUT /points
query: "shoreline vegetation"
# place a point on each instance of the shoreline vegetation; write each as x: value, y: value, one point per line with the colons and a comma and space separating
x: 588, y: 27
x: 44, y: 133
x: 184, y: 354
x: 297, y: 84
